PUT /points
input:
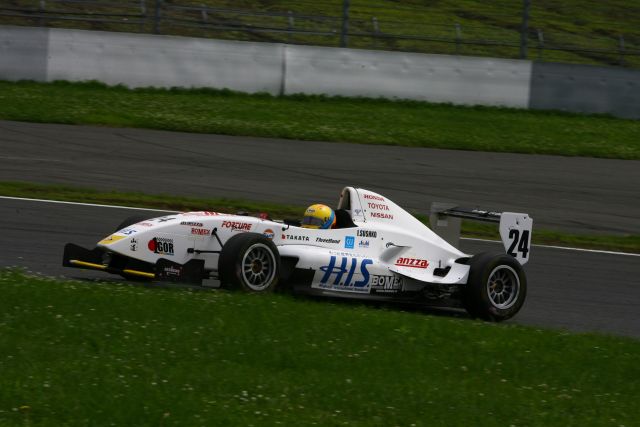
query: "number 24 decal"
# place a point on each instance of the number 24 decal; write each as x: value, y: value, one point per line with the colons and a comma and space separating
x: 521, y: 241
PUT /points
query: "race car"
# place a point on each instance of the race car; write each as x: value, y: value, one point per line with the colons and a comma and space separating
x: 376, y: 250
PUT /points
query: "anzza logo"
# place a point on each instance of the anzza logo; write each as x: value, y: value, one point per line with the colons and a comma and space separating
x: 161, y: 245
x: 412, y: 262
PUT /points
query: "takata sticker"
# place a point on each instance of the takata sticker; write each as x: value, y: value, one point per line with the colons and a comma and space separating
x: 111, y: 239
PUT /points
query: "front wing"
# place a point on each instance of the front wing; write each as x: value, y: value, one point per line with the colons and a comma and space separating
x: 165, y: 270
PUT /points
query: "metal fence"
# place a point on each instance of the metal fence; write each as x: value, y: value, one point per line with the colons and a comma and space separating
x: 517, y: 29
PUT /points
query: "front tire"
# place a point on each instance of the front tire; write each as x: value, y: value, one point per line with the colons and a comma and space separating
x: 134, y: 219
x: 497, y: 287
x: 249, y: 262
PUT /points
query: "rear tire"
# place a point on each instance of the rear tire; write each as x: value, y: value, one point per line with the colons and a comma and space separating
x: 249, y: 262
x: 497, y: 287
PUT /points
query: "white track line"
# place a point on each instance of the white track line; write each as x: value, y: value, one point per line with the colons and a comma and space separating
x: 165, y: 211
x: 60, y: 202
x: 597, y: 251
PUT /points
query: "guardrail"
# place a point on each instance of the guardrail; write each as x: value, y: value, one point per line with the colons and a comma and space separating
x: 351, y: 23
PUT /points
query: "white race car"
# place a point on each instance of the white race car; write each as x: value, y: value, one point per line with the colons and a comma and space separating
x: 377, y: 250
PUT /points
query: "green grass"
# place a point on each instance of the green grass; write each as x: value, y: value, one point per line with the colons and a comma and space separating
x: 318, y: 118
x: 89, y: 353
x: 629, y: 243
x: 587, y: 24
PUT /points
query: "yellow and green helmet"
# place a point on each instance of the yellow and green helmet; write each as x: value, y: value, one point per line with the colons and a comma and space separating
x: 319, y: 216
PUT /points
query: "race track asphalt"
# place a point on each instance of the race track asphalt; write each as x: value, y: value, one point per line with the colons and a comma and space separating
x: 566, y: 193
x: 576, y: 291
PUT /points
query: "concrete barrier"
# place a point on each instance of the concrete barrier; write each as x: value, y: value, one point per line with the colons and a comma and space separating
x: 24, y: 53
x: 435, y: 78
x: 139, y: 60
x: 165, y: 61
x: 586, y: 89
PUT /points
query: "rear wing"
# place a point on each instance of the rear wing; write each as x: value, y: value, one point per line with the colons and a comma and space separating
x: 515, y: 228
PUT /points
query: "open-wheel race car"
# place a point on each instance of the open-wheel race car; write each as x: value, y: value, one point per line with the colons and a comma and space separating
x: 376, y: 250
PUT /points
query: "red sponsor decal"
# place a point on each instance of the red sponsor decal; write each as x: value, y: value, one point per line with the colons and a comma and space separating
x: 161, y: 245
x: 145, y: 224
x: 268, y: 233
x: 381, y: 215
x: 237, y: 225
x: 412, y: 262
x: 379, y: 206
x: 199, y: 231
x: 373, y: 197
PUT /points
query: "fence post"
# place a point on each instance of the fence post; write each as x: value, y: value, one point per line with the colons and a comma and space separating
x: 458, y: 37
x: 344, y: 34
x: 524, y: 30
x: 41, y: 10
x: 621, y: 49
x: 376, y: 31
x: 540, y: 44
x: 204, y: 12
x: 156, y: 20
x: 143, y: 13
x: 291, y: 23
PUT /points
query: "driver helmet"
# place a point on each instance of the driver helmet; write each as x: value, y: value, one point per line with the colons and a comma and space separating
x: 319, y: 216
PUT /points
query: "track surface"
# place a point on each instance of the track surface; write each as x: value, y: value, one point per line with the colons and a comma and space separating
x: 575, y: 194
x: 573, y: 290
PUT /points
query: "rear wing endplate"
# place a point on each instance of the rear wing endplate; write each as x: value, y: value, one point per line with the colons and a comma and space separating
x: 515, y: 228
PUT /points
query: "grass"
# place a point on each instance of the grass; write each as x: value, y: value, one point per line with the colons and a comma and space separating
x: 629, y: 243
x: 89, y: 353
x: 319, y: 118
x: 589, y: 24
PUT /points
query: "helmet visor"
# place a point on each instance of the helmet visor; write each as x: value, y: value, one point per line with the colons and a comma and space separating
x: 312, y: 222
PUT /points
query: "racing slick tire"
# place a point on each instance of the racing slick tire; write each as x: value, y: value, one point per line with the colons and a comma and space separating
x: 496, y: 288
x: 134, y: 219
x: 249, y: 262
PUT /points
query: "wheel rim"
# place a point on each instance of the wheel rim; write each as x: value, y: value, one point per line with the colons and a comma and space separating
x: 258, y: 267
x: 503, y: 287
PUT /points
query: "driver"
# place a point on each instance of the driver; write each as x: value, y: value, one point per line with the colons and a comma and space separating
x: 319, y: 216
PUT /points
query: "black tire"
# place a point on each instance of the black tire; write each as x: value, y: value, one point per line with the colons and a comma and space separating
x: 249, y: 262
x: 134, y: 219
x: 497, y: 287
